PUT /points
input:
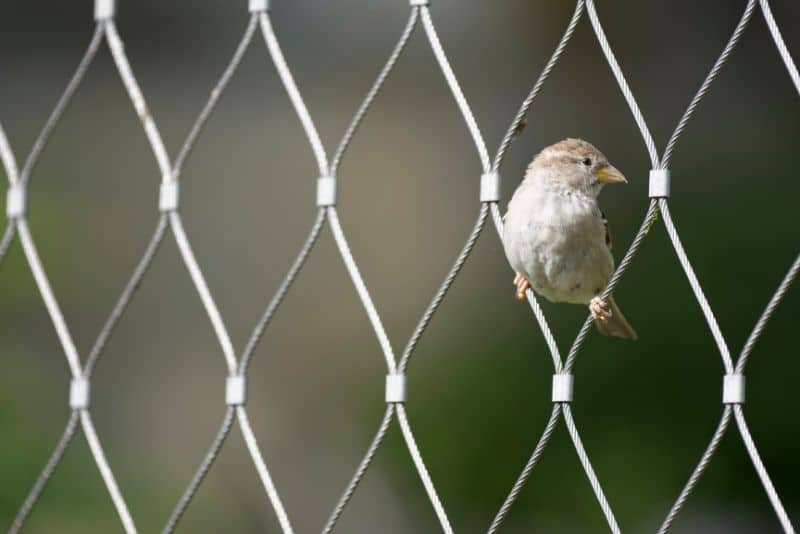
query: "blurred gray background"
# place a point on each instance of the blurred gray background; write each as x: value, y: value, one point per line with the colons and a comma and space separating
x: 480, y: 380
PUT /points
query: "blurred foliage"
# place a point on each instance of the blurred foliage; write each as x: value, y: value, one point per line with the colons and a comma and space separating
x: 480, y: 378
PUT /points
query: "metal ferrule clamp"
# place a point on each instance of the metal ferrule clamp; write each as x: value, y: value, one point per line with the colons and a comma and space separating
x: 490, y: 187
x: 79, y: 394
x: 104, y: 9
x: 326, y: 191
x: 659, y: 183
x: 420, y: 3
x: 16, y: 200
x: 235, y: 390
x: 168, y: 195
x: 562, y: 387
x: 733, y: 389
x: 258, y: 5
x: 395, y: 388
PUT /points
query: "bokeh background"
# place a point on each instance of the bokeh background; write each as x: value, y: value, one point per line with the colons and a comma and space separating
x: 480, y: 379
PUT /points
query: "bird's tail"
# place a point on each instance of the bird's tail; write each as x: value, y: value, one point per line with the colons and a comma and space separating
x: 616, y: 325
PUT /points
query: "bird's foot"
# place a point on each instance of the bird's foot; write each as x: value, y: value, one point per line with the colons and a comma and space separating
x: 522, y: 286
x: 600, y: 309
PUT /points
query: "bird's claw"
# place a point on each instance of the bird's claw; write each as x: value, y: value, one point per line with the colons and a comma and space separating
x: 522, y: 286
x: 600, y: 309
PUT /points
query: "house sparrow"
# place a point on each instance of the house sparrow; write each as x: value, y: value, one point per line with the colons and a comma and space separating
x: 555, y: 236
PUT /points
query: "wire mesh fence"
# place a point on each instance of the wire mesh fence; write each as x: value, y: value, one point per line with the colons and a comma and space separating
x: 168, y: 221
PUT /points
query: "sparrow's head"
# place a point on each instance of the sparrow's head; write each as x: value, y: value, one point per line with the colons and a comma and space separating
x: 574, y: 165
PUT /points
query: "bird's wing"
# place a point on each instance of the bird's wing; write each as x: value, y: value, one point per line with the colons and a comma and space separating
x: 608, y: 231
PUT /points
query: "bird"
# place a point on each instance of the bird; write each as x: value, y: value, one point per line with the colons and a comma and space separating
x: 555, y: 236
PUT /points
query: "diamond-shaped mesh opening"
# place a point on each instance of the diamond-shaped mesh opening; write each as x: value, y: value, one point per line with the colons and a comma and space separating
x: 169, y: 224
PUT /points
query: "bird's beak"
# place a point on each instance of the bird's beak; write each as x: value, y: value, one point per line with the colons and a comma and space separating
x: 610, y: 175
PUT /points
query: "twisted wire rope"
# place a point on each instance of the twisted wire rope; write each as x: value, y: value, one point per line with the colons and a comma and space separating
x: 216, y: 93
x: 683, y: 258
x: 376, y: 87
x: 393, y: 368
x: 526, y: 472
x: 744, y: 20
x: 547, y: 333
x: 29, y: 249
x: 202, y: 471
x: 46, y: 474
x: 741, y: 423
x: 649, y: 219
x: 688, y: 488
x: 360, y: 470
x: 331, y: 215
x: 752, y: 338
x: 627, y: 94
x: 171, y: 218
x: 758, y: 464
x: 588, y: 469
x: 525, y: 107
x: 10, y: 167
x: 383, y: 75
x: 775, y: 32
x: 62, y: 104
x: 233, y: 366
x: 455, y: 88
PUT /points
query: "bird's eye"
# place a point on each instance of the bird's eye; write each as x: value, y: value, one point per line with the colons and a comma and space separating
x: 587, y: 162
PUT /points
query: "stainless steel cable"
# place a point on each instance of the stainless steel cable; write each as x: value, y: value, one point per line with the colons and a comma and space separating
x: 649, y: 218
x: 288, y: 280
x: 427, y: 482
x: 638, y: 117
x: 8, y: 237
x: 721, y: 60
x: 695, y: 285
x: 444, y: 288
x: 528, y: 102
x: 216, y: 93
x: 779, y: 42
x: 47, y: 473
x: 53, y: 309
x: 62, y: 104
x: 644, y: 229
x: 360, y: 470
x: 126, y: 296
x: 202, y: 471
x: 261, y: 469
x: 452, y: 83
x: 97, y: 349
x: 201, y: 287
x: 105, y: 471
x: 106, y: 27
x: 766, y: 315
x: 698, y: 470
x: 366, y: 104
x: 294, y: 93
x: 750, y: 445
x: 367, y: 302
x: 361, y: 289
x: 12, y: 175
x: 411, y: 345
x: 588, y: 469
x: 7, y: 158
x: 215, y: 316
x: 137, y: 98
x: 737, y: 409
x: 525, y: 474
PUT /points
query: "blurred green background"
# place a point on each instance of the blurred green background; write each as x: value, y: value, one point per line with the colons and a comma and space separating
x: 480, y: 379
